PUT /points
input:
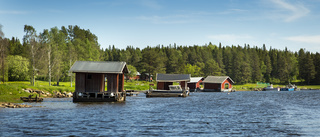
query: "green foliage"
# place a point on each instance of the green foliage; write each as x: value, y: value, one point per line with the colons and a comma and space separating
x: 53, y: 52
x: 18, y: 68
x: 194, y: 70
x: 132, y: 71
x: 211, y: 68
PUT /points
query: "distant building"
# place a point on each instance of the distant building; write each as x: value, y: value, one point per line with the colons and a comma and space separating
x: 145, y: 76
x: 136, y: 77
x: 164, y: 80
x: 217, y: 83
x: 194, y: 83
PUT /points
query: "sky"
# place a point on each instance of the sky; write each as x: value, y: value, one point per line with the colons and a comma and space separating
x: 140, y: 23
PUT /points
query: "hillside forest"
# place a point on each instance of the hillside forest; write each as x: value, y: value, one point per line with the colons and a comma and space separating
x: 49, y: 54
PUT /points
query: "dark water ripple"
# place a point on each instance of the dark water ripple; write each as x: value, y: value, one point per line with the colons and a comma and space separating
x: 201, y: 114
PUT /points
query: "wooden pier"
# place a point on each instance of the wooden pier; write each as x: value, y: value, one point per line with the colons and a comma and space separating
x: 99, y: 96
x: 92, y: 78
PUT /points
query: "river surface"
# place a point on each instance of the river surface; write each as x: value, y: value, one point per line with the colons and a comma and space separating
x: 248, y: 113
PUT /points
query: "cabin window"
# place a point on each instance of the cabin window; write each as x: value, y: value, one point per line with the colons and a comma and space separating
x: 89, y: 76
x: 226, y: 86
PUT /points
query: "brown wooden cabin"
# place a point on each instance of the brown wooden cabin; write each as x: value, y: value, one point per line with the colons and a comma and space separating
x: 164, y: 80
x: 91, y: 79
x: 217, y: 84
x: 194, y: 83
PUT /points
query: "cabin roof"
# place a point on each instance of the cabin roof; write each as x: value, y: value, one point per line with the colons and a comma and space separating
x: 173, y: 77
x: 195, y: 79
x: 216, y: 79
x: 99, y: 67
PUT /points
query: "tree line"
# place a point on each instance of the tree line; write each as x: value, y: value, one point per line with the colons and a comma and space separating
x: 49, y: 55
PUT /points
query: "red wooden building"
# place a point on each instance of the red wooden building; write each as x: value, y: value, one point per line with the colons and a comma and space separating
x: 218, y: 83
x: 164, y: 80
x: 194, y: 83
x: 136, y: 77
x: 92, y: 77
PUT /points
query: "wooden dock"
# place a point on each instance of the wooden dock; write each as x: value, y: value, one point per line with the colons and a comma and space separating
x: 132, y: 93
x: 166, y: 93
x: 99, y: 96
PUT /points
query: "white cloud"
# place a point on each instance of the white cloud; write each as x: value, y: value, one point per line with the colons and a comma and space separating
x: 289, y: 11
x: 305, y: 39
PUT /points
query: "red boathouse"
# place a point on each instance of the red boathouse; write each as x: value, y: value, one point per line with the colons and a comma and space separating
x: 218, y: 84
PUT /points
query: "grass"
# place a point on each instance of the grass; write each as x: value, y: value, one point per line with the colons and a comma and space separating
x: 138, y: 85
x: 251, y: 86
x: 12, y: 91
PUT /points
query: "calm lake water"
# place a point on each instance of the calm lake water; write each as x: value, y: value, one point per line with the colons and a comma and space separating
x: 268, y: 113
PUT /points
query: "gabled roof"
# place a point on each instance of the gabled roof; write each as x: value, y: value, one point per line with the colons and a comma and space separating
x: 216, y: 79
x: 173, y: 77
x: 195, y: 79
x: 99, y: 67
x: 138, y: 73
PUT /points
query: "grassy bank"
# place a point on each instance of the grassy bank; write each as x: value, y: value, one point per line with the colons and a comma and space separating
x: 252, y: 86
x: 12, y: 91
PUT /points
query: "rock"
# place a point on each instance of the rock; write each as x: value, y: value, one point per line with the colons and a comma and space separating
x: 69, y: 94
x: 30, y: 90
x: 12, y: 105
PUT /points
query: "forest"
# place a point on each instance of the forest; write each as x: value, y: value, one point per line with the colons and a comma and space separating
x: 49, y: 54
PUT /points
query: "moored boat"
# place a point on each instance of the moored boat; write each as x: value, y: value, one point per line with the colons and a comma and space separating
x: 174, y: 91
x: 271, y: 88
x: 290, y: 87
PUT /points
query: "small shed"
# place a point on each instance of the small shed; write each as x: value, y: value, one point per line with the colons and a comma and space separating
x: 146, y: 76
x: 91, y: 79
x: 218, y: 83
x: 136, y: 77
x: 194, y: 83
x: 164, y: 80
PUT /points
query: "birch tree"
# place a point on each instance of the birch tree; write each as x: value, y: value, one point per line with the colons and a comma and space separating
x: 30, y: 39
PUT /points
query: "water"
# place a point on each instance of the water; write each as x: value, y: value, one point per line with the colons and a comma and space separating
x: 270, y: 113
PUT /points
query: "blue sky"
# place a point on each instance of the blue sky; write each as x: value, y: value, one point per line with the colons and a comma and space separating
x: 140, y: 23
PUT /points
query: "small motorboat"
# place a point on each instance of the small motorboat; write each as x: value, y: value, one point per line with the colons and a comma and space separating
x: 174, y: 91
x: 271, y: 88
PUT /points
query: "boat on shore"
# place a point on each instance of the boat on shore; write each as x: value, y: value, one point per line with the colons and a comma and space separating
x: 271, y: 88
x: 31, y: 99
x: 290, y: 87
x: 174, y: 91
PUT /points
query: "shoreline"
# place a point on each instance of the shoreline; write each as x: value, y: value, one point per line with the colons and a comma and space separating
x: 13, y: 105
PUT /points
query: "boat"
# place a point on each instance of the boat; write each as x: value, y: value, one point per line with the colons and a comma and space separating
x: 271, y: 88
x: 290, y: 87
x: 174, y: 91
x: 31, y: 99
x: 132, y: 93
x: 286, y: 89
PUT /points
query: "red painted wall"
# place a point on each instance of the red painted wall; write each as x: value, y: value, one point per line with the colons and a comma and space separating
x: 226, y: 81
